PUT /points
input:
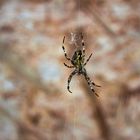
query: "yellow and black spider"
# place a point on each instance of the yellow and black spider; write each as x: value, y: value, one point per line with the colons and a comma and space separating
x: 78, y: 63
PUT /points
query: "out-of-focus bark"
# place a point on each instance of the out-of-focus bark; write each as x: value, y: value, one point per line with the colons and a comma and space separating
x: 97, y: 111
x: 17, y: 64
x: 91, y: 10
x: 24, y: 127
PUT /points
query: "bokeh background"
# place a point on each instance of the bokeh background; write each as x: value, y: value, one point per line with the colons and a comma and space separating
x: 34, y: 101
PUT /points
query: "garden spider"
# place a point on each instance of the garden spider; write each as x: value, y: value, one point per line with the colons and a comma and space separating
x: 78, y: 62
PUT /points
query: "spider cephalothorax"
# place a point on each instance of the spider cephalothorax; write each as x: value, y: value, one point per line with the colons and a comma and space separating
x: 78, y: 63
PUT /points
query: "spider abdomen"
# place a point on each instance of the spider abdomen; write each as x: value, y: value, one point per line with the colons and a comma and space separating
x: 77, y: 59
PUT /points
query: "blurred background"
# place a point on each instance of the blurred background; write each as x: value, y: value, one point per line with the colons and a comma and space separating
x: 34, y: 101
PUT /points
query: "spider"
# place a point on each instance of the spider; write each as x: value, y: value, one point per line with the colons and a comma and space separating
x: 78, y: 63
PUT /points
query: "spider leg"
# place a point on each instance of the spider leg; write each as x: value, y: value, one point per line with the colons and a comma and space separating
x: 88, y: 59
x: 68, y: 66
x: 69, y: 80
x: 89, y: 82
x: 64, y: 50
x: 95, y: 84
x: 83, y: 45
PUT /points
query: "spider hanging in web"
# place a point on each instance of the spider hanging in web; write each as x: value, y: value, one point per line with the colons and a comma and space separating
x: 78, y: 63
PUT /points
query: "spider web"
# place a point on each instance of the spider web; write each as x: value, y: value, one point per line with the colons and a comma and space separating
x: 75, y: 34
x: 75, y: 39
